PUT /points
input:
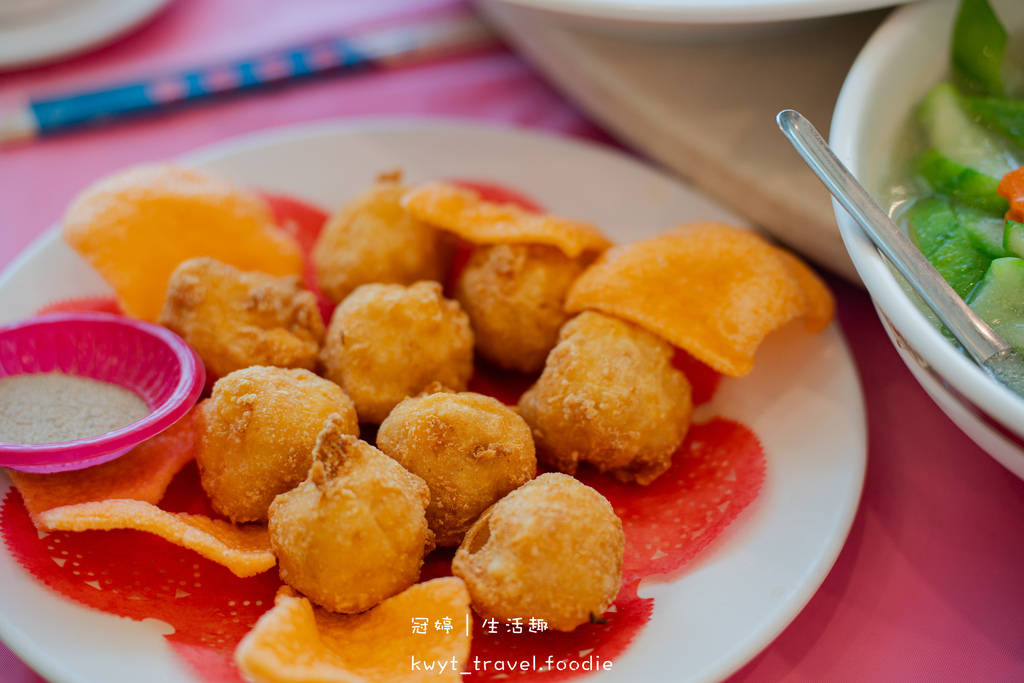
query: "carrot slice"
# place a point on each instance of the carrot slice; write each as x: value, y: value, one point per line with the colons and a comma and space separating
x: 1012, y: 187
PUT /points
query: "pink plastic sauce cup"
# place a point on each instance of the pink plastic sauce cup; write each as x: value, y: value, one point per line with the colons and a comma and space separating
x: 149, y: 360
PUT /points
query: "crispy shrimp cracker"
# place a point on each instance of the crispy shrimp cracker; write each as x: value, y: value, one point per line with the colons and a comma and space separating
x: 821, y: 307
x: 136, y: 226
x: 296, y: 642
x: 462, y: 211
x: 245, y: 550
x: 713, y: 290
x: 144, y: 473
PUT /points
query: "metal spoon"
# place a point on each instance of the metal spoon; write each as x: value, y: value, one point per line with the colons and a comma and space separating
x: 989, y: 350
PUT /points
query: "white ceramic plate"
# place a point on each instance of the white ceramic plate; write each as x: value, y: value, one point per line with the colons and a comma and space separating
x: 65, y: 28
x: 803, y: 400
x: 700, y: 12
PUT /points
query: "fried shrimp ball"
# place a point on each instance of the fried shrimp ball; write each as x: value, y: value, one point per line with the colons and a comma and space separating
x: 255, y: 435
x: 235, y: 318
x: 355, y: 531
x: 552, y: 549
x: 387, y: 342
x: 513, y: 294
x: 374, y: 239
x: 610, y: 396
x: 469, y: 448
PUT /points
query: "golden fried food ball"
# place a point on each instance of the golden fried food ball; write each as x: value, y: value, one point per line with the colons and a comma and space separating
x: 552, y: 550
x: 610, y: 396
x: 255, y: 435
x: 374, y: 239
x: 469, y: 448
x: 355, y: 531
x: 388, y: 342
x: 513, y: 294
x: 235, y: 318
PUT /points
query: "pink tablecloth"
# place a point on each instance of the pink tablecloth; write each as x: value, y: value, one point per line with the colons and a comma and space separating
x: 928, y: 586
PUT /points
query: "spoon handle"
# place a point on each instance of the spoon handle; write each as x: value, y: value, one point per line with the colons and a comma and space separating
x: 972, y: 332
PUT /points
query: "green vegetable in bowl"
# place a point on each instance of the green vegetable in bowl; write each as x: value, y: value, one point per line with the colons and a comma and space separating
x: 945, y: 240
x: 1013, y: 239
x: 998, y: 299
x: 979, y: 43
x: 955, y: 133
x: 962, y: 183
x: 1004, y: 115
x: 974, y: 138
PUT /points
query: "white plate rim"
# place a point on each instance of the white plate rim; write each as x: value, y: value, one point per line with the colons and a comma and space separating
x: 70, y: 29
x: 844, y: 463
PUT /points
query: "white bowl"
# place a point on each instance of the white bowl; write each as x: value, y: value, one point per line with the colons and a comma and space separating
x: 688, y: 20
x: 906, y: 56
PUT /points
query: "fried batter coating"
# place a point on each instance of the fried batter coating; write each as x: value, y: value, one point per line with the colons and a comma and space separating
x: 255, y: 435
x: 610, y: 396
x: 374, y: 239
x: 469, y: 448
x: 355, y: 531
x: 387, y: 342
x: 235, y: 318
x: 552, y: 549
x: 513, y: 294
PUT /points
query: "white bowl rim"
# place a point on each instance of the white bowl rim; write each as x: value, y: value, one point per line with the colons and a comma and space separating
x: 847, y: 125
x: 703, y: 12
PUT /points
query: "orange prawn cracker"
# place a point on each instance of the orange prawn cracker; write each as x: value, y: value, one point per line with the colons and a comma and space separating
x: 136, y: 226
x: 462, y: 210
x: 712, y: 290
x: 141, y: 474
x: 296, y: 642
x: 245, y: 550
x: 821, y: 306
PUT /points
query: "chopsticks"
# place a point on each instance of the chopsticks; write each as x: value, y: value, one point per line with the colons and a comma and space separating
x: 48, y: 115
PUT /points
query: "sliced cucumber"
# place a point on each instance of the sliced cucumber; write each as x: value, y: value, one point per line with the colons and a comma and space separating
x: 946, y: 242
x: 979, y: 43
x: 930, y: 222
x: 999, y: 299
x: 967, y: 186
x: 952, y: 130
x: 985, y: 230
x: 1002, y: 114
x: 1013, y: 239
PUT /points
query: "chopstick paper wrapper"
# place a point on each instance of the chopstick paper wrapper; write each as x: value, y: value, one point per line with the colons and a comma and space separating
x: 40, y: 117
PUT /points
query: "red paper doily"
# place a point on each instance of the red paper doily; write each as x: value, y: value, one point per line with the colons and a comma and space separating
x: 715, y: 475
